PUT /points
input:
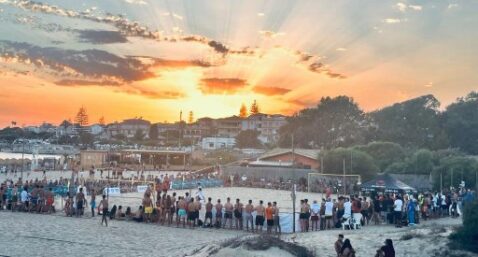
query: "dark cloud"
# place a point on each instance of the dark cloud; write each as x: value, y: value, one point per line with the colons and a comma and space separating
x: 89, y: 63
x: 221, y: 85
x: 79, y: 82
x: 101, y: 36
x: 152, y: 93
x: 270, y: 91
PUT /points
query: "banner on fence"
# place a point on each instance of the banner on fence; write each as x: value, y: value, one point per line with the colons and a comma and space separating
x: 112, y: 191
x: 141, y: 189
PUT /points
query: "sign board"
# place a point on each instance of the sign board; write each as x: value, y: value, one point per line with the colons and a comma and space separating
x: 112, y: 191
x: 141, y: 189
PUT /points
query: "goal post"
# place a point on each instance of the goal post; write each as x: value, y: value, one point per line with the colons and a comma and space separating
x: 337, y: 183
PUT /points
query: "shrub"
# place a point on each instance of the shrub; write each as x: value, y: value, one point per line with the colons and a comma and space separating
x: 466, y: 236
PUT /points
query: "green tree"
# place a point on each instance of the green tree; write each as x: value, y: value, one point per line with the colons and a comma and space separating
x: 383, y: 153
x: 86, y: 139
x: 356, y: 162
x: 460, y: 121
x: 153, y: 132
x: 413, y: 123
x: 248, y: 139
x: 334, y: 122
x: 455, y: 168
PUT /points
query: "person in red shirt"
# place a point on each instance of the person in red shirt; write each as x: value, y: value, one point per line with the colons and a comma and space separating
x: 269, y: 217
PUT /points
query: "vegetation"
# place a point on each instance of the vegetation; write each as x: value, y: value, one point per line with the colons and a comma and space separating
x: 254, y: 108
x: 243, y: 111
x: 467, y: 235
x: 248, y: 139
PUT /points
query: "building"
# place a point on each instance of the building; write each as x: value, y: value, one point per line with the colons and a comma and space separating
x: 306, y: 158
x: 213, y: 143
x: 229, y: 127
x: 267, y: 125
x: 93, y: 159
x: 128, y: 128
x: 96, y: 129
x: 66, y: 128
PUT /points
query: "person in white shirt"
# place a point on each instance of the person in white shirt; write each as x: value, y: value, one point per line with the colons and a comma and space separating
x: 329, y: 221
x: 347, y: 209
x: 24, y: 197
x: 315, y: 215
x: 397, y: 209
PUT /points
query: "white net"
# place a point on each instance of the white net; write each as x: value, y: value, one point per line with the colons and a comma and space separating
x: 334, y: 183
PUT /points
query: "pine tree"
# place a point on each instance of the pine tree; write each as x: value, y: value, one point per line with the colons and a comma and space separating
x: 254, y: 108
x: 81, y: 117
x: 191, y: 117
x: 243, y: 111
x: 102, y: 121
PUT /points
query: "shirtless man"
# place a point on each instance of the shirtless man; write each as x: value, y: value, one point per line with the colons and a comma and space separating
x: 208, y: 216
x: 228, y: 213
x: 173, y: 208
x: 277, y: 226
x: 182, y: 214
x: 197, y: 208
x: 302, y: 216
x: 238, y: 214
x: 191, y: 213
x: 104, y: 206
x: 148, y: 207
x: 218, y: 213
x: 248, y: 215
x: 80, y: 201
x: 307, y: 214
x: 269, y: 217
x: 260, y: 216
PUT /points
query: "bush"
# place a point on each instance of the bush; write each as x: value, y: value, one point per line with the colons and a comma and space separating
x: 466, y: 236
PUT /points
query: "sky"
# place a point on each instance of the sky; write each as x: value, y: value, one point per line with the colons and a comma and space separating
x: 154, y: 58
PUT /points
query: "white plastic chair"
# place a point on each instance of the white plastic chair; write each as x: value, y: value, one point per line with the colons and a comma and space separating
x: 357, y: 220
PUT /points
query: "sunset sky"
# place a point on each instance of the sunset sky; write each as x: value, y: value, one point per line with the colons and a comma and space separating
x: 153, y: 58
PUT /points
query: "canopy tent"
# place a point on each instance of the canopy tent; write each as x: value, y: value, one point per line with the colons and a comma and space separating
x: 385, y: 182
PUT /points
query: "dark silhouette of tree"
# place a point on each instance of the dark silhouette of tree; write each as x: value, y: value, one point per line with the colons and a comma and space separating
x: 81, y: 117
x: 243, y: 111
x: 460, y: 121
x: 139, y: 135
x: 248, y: 139
x: 153, y: 132
x: 102, y: 121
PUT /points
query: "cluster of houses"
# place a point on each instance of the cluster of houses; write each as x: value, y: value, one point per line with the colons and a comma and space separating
x: 207, y: 133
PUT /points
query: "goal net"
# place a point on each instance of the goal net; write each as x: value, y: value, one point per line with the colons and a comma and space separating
x: 335, y: 183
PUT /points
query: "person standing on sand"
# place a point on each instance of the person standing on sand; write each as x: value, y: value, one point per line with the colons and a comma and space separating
x: 228, y: 213
x: 148, y: 206
x: 259, y: 216
x: 302, y: 216
x: 208, y: 216
x: 338, y: 244
x: 182, y: 214
x: 218, y: 213
x: 248, y: 216
x: 238, y: 214
x: 315, y: 213
x: 277, y: 226
x: 397, y: 210
x: 269, y: 217
x: 104, y: 206
x: 307, y: 214
x: 80, y: 200
x: 93, y: 202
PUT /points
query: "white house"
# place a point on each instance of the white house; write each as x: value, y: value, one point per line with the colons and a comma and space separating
x: 213, y: 143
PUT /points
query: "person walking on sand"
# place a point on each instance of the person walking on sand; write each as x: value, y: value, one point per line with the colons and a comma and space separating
x: 80, y: 200
x: 338, y: 244
x: 104, y: 206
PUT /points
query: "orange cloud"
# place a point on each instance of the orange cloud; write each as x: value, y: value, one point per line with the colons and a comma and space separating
x: 270, y: 91
x: 221, y: 85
